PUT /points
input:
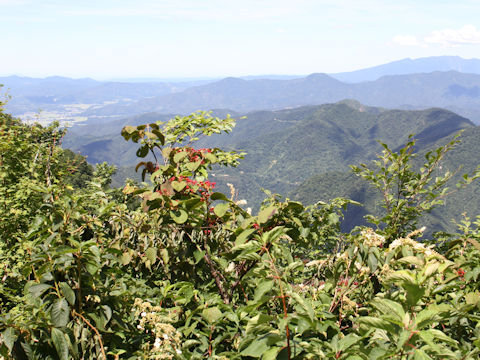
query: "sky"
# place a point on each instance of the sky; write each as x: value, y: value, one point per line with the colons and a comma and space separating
x: 106, y: 39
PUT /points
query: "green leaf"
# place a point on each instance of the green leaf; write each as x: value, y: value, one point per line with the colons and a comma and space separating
x: 376, y: 323
x: 348, y: 341
x: 262, y: 288
x: 256, y: 321
x: 243, y: 236
x: 256, y: 348
x: 68, y: 293
x: 179, y: 156
x: 126, y: 257
x: 179, y: 185
x: 389, y: 307
x: 143, y: 151
x: 38, y: 289
x: 218, y: 196
x: 60, y: 342
x: 212, y: 314
x: 419, y: 354
x: 9, y: 337
x: 221, y: 209
x: 192, y: 166
x: 271, y: 354
x: 179, y: 216
x: 151, y: 255
x: 60, y: 312
x: 265, y: 214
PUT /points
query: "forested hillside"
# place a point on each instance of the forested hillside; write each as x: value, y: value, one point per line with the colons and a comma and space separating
x: 284, y: 148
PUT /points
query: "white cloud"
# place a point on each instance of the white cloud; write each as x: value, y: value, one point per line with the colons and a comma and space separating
x: 468, y: 34
x: 406, y: 40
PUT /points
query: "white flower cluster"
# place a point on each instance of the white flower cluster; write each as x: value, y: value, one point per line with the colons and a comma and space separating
x: 415, y: 245
x: 371, y: 238
x: 167, y: 338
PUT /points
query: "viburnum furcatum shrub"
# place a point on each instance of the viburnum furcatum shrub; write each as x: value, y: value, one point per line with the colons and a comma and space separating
x: 187, y: 273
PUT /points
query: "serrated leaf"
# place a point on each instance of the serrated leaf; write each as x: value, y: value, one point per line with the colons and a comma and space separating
x: 348, y: 341
x: 243, y: 236
x: 9, y: 337
x: 419, y: 354
x: 265, y: 214
x: 38, y: 289
x: 212, y: 314
x: 60, y: 312
x: 389, y: 307
x: 271, y: 354
x: 376, y: 323
x: 262, y: 288
x: 60, y: 342
x: 151, y: 254
x: 256, y: 348
x: 68, y: 293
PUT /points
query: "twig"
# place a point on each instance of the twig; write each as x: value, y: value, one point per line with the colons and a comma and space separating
x: 94, y: 329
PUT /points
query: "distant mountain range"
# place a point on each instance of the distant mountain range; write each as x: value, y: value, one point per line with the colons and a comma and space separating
x: 31, y: 94
x: 456, y: 91
x: 412, y: 66
x: 445, y: 81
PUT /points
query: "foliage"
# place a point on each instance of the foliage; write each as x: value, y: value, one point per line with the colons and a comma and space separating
x: 174, y: 270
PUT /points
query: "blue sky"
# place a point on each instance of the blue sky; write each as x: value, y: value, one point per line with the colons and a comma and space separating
x: 208, y: 38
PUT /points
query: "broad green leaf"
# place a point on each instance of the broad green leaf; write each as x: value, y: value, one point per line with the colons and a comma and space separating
x: 68, y: 293
x: 9, y: 337
x: 262, y: 288
x: 126, y: 257
x: 60, y: 342
x: 472, y: 298
x: 179, y: 185
x: 38, y: 289
x: 348, y: 341
x: 219, y: 196
x: 265, y: 214
x: 212, y: 314
x: 376, y: 323
x: 179, y: 156
x: 256, y: 348
x: 60, y: 312
x: 221, y: 209
x: 243, y: 236
x: 419, y: 354
x: 257, y: 320
x: 192, y: 166
x: 179, y: 216
x: 271, y: 354
x: 431, y: 268
x: 142, y: 151
x: 151, y: 254
x: 389, y: 307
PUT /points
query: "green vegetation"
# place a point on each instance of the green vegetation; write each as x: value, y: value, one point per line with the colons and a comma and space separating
x: 175, y: 270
